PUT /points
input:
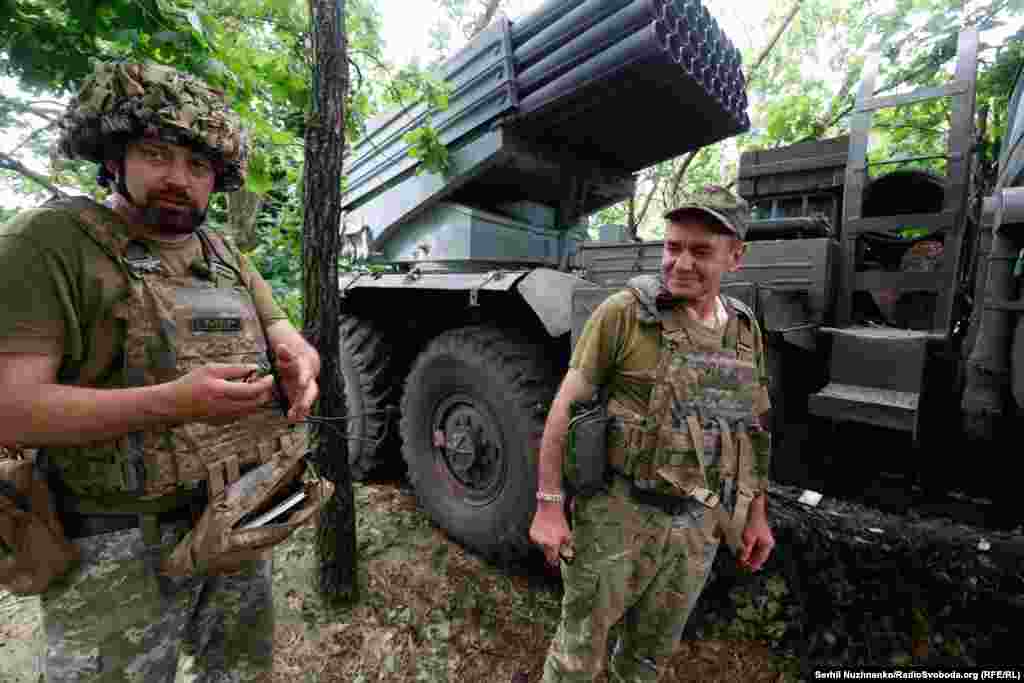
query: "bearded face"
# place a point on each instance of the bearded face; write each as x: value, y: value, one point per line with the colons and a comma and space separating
x: 167, y: 187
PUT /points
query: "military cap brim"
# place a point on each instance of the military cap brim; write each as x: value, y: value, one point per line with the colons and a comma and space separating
x: 677, y: 213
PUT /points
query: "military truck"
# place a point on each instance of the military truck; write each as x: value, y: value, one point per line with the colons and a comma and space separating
x: 467, y: 328
x: 472, y: 286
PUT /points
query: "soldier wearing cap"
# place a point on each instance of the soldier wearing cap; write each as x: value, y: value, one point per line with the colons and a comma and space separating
x: 682, y: 369
x: 125, y: 328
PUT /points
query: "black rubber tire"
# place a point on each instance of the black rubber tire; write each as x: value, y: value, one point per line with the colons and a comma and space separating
x: 501, y: 385
x: 364, y: 359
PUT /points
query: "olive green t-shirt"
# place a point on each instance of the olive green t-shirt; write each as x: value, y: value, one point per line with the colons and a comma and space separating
x: 57, y: 287
x: 615, y: 349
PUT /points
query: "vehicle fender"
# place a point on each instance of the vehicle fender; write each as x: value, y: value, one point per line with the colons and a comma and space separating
x: 548, y: 292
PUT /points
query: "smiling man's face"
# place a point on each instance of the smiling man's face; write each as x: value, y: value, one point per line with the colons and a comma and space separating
x: 170, y: 185
x: 696, y: 254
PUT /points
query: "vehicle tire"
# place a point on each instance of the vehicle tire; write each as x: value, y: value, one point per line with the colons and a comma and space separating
x: 473, y: 413
x: 364, y: 359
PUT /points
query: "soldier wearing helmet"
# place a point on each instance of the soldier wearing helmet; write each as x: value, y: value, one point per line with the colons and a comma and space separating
x: 680, y: 370
x: 125, y: 329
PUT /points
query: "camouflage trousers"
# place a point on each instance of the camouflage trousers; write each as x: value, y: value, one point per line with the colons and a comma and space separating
x: 635, y: 564
x: 114, y: 618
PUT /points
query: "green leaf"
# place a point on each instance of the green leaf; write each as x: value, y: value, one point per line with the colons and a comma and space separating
x: 426, y: 146
x: 776, y: 586
x: 258, y: 180
x: 168, y: 38
x: 215, y: 68
x: 282, y: 6
x: 749, y: 613
x: 84, y: 11
x: 128, y: 36
x: 195, y: 22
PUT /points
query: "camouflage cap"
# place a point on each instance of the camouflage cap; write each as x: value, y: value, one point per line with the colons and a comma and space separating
x: 123, y: 100
x: 719, y: 203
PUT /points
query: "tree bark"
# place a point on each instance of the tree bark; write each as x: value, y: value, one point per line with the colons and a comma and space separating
x: 243, y: 208
x: 325, y: 146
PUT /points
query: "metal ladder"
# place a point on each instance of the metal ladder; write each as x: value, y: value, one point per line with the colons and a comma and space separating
x: 950, y: 221
x: 876, y: 375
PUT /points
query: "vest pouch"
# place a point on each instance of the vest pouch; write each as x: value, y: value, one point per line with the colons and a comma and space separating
x: 33, y: 548
x: 678, y: 464
x: 248, y: 517
x: 585, y: 464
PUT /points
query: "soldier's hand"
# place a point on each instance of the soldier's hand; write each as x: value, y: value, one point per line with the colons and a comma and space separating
x: 758, y: 542
x: 298, y: 378
x: 217, y: 393
x: 550, y: 530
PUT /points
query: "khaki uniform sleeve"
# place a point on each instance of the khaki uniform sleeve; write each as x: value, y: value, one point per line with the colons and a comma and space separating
x: 262, y: 295
x: 597, y: 352
x: 36, y: 294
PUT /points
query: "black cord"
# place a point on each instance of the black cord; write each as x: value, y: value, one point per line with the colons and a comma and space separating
x: 328, y: 422
x: 279, y: 393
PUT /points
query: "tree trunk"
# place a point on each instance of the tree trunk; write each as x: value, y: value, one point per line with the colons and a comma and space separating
x: 243, y: 208
x: 325, y: 146
x: 631, y: 222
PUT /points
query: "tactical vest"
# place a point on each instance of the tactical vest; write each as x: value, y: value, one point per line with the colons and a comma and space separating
x: 699, y: 437
x: 173, y: 324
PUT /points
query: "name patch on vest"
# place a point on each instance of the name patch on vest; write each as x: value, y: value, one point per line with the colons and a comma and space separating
x: 216, y: 325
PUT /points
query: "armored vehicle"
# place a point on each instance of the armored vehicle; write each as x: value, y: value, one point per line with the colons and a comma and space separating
x: 472, y: 286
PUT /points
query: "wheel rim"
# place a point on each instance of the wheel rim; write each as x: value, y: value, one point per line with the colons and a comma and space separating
x: 467, y: 442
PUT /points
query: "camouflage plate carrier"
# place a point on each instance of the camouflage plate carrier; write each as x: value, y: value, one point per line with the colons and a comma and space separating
x: 700, y: 437
x: 173, y: 325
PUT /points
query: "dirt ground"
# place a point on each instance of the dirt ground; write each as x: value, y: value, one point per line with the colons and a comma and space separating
x: 428, y: 611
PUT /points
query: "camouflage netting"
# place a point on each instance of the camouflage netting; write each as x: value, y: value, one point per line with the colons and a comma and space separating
x: 851, y: 586
x: 124, y: 101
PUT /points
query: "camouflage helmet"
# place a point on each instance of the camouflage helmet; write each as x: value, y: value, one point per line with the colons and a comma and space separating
x: 719, y: 203
x: 121, y: 101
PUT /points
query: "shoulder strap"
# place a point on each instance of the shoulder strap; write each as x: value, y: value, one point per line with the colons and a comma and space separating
x: 744, y: 315
x: 91, y: 221
x: 739, y: 307
x: 223, y: 250
x: 645, y: 289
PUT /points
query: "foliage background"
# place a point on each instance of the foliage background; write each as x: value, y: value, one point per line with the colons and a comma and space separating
x: 801, y: 87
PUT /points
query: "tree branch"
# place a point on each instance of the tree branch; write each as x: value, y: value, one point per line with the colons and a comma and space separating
x: 12, y: 164
x: 33, y: 108
x: 484, y: 20
x: 774, y: 39
x: 33, y: 135
x: 359, y: 76
x: 647, y: 204
x: 677, y: 180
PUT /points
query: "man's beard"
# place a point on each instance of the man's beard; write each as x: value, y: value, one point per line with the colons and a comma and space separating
x: 183, y: 221
x: 165, y: 220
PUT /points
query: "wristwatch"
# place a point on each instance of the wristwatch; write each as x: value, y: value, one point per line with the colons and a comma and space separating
x: 550, y: 497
